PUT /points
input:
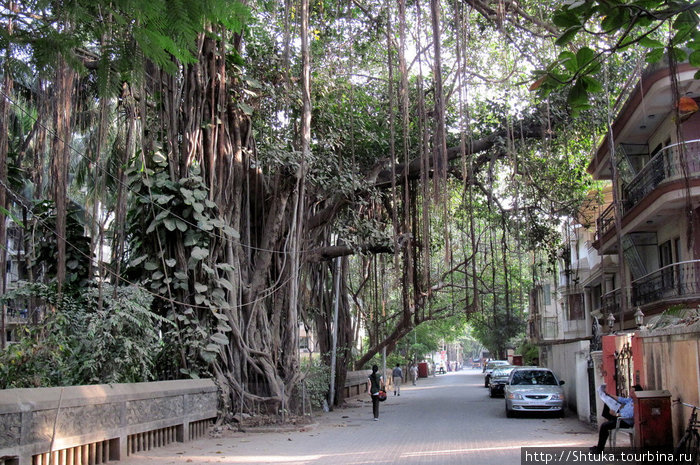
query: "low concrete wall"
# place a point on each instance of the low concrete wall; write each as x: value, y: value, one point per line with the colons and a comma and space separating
x: 356, y: 382
x: 82, y: 425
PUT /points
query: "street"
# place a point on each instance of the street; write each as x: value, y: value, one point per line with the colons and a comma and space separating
x: 445, y: 420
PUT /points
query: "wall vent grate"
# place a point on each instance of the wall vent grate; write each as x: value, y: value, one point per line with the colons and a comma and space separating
x: 198, y: 429
x: 87, y: 454
x: 148, y: 440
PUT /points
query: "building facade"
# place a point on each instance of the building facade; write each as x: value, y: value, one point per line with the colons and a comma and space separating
x: 628, y: 291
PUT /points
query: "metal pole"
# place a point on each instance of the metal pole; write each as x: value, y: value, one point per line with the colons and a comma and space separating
x: 384, y: 364
x: 331, y: 394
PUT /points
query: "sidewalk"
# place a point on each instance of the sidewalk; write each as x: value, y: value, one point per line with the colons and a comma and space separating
x: 445, y: 420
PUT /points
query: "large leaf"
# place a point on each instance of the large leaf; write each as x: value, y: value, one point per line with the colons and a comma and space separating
x: 694, y: 58
x: 201, y: 288
x: 169, y: 224
x: 584, y: 56
x: 567, y: 36
x: 199, y: 253
x: 577, y: 95
x: 566, y: 19
x: 219, y: 338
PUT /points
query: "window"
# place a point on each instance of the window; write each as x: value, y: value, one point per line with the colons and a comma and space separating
x: 596, y: 294
x: 576, y: 311
x: 665, y: 259
x: 547, y: 294
x: 665, y: 254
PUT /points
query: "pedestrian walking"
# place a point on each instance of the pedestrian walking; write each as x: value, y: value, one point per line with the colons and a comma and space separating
x: 375, y: 383
x: 397, y: 378
x: 414, y: 373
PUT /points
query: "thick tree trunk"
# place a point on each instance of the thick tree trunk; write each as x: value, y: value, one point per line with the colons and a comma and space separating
x: 60, y: 157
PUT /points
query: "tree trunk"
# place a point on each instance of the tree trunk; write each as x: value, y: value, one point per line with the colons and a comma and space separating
x: 4, y: 145
x: 60, y: 157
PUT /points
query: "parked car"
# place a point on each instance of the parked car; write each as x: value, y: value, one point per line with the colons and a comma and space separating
x: 499, y: 378
x: 489, y: 368
x: 533, y: 390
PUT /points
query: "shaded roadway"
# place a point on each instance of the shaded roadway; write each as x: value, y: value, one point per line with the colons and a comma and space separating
x: 445, y: 420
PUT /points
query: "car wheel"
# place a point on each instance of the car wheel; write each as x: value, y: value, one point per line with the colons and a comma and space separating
x: 486, y: 381
x: 491, y: 392
x: 561, y: 413
x: 509, y: 413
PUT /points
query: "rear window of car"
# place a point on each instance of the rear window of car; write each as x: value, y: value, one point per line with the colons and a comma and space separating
x: 502, y: 371
x: 533, y: 377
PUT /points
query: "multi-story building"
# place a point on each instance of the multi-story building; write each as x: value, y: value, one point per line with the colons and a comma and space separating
x: 654, y: 222
x: 636, y: 257
x: 15, y: 314
x: 561, y: 322
x: 649, y: 241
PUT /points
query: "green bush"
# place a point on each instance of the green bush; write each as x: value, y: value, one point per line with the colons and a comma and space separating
x: 317, y: 378
x: 530, y: 353
x: 80, y: 341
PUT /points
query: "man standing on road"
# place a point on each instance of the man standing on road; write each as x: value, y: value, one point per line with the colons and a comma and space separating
x: 397, y: 378
x: 414, y: 373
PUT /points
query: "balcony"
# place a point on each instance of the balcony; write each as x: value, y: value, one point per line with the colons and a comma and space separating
x: 16, y: 317
x: 606, y: 224
x: 550, y: 328
x: 675, y: 282
x: 664, y: 167
x: 611, y: 302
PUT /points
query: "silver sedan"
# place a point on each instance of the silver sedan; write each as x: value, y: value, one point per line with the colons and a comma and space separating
x: 533, y: 390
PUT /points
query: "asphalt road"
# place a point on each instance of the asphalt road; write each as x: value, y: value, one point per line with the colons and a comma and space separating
x: 445, y: 420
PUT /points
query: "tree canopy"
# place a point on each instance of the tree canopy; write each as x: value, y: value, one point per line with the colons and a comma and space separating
x: 215, y: 174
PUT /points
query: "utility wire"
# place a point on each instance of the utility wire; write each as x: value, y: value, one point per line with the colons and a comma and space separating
x: 21, y: 201
x: 119, y: 182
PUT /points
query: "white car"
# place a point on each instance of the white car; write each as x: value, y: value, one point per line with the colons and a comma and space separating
x: 533, y: 390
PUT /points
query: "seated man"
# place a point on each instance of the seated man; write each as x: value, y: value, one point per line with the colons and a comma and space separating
x: 615, y: 407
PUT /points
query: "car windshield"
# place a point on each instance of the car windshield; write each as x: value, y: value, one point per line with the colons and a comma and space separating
x: 537, y: 378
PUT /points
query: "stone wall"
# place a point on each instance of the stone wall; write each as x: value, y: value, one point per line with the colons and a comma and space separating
x: 35, y: 422
x: 672, y: 362
x: 356, y: 382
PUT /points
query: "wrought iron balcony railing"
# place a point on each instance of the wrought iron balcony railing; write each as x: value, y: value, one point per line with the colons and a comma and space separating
x: 611, y: 302
x: 676, y: 281
x: 665, y: 166
x: 606, y: 222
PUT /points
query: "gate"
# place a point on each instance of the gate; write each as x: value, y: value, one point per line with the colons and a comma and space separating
x: 623, y: 370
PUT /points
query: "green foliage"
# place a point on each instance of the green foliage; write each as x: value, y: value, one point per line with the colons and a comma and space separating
x: 80, y: 341
x: 428, y: 337
x: 165, y: 213
x: 162, y: 31
x: 621, y: 25
x: 529, y: 351
x: 471, y: 347
x: 317, y: 378
x: 78, y: 255
x: 496, y: 329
